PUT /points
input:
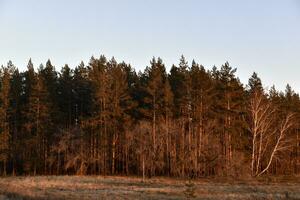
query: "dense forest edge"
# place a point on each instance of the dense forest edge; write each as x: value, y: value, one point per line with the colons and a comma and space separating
x: 104, y: 118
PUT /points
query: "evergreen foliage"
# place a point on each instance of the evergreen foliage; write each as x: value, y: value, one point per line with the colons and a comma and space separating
x: 104, y: 118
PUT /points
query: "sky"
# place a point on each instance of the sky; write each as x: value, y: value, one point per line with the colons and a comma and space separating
x: 252, y: 35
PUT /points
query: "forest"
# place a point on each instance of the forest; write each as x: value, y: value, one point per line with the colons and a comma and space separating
x: 104, y: 118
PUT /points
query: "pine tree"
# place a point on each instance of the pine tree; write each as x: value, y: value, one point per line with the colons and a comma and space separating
x: 254, y: 83
x: 153, y: 110
x: 38, y: 120
x: 4, y: 116
x: 230, y: 108
x: 100, y: 118
x: 168, y: 104
x: 120, y: 103
x: 16, y: 102
x: 181, y: 88
x: 130, y: 118
x: 202, y: 101
x: 82, y: 92
x: 50, y: 78
x: 66, y: 96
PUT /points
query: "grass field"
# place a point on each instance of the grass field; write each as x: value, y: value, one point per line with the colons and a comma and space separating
x: 99, y: 187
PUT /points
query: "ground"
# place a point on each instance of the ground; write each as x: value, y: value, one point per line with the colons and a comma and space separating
x: 100, y: 187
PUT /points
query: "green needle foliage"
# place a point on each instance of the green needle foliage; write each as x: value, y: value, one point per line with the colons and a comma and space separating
x: 105, y: 118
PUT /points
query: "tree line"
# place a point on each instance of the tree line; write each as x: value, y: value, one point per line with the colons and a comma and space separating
x: 104, y: 118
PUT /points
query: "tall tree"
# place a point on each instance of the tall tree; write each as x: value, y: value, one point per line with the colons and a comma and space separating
x: 4, y: 116
x: 201, y: 100
x: 66, y: 96
x: 100, y: 119
x: 38, y: 120
x: 156, y: 76
x: 16, y: 102
x: 180, y: 82
x: 230, y: 108
x: 120, y: 104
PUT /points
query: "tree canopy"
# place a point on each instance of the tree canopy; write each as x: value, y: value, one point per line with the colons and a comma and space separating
x: 105, y: 118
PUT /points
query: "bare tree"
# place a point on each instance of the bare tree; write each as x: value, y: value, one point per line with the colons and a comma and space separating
x: 282, y: 142
x: 261, y: 117
x: 264, y: 132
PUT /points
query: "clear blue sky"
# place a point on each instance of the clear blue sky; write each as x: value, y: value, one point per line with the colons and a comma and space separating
x: 253, y: 35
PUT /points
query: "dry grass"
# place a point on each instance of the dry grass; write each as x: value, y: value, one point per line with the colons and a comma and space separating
x: 100, y: 187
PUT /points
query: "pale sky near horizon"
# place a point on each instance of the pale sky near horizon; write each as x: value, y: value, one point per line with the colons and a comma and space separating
x: 252, y: 35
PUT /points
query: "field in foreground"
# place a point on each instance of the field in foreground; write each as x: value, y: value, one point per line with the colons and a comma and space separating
x: 99, y: 187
